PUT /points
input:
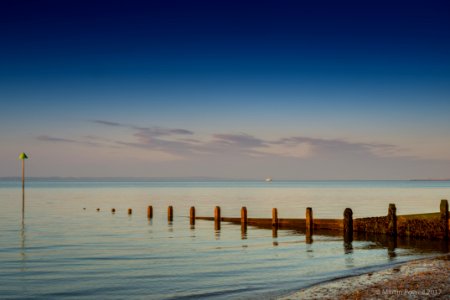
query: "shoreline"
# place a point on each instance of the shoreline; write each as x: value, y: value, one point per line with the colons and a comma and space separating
x: 425, y: 278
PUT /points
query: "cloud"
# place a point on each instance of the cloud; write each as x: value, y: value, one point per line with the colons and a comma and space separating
x: 159, y: 131
x: 169, y: 140
x: 96, y: 138
x: 334, y: 147
x: 302, y: 150
x: 172, y: 142
x: 242, y: 144
x: 194, y: 141
x: 183, y: 143
x: 175, y: 151
x: 239, y: 140
x: 181, y: 131
x: 153, y: 131
x: 176, y: 142
x: 47, y: 138
x: 107, y: 123
x: 52, y: 139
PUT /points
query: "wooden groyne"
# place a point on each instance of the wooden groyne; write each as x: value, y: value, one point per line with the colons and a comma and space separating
x: 283, y: 223
x: 430, y: 226
x: 427, y: 226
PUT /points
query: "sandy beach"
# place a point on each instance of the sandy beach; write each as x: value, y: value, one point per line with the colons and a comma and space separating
x: 419, y: 279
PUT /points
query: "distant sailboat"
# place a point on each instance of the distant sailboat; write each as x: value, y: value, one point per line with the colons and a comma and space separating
x: 268, y: 179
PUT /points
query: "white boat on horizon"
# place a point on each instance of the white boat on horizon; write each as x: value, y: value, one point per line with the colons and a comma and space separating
x: 268, y: 179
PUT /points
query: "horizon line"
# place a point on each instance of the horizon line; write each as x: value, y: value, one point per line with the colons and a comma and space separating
x: 190, y: 178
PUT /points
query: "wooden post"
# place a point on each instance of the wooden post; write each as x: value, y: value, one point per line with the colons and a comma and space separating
x: 444, y: 218
x: 130, y: 211
x: 170, y: 213
x: 23, y: 189
x: 217, y: 218
x: 274, y: 217
x: 98, y: 209
x: 392, y: 220
x: 309, y: 221
x: 150, y: 212
x: 113, y: 210
x: 192, y: 215
x: 348, y: 225
x: 244, y: 217
x: 23, y: 157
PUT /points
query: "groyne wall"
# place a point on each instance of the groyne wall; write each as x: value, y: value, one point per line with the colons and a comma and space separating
x: 426, y: 226
x: 429, y: 226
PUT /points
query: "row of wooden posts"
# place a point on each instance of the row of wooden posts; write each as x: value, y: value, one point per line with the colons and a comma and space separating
x: 309, y: 223
x: 217, y: 215
x: 388, y: 225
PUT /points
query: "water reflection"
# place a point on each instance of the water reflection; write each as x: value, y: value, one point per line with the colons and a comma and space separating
x: 377, y: 241
x: 349, y: 259
x: 348, y: 248
x: 309, y: 251
x: 391, y: 246
x: 23, y: 256
x: 243, y: 232
x: 217, y: 234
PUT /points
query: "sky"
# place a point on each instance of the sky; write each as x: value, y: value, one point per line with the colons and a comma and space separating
x: 226, y: 89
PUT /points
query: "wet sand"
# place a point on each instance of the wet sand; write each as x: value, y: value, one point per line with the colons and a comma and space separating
x: 419, y: 279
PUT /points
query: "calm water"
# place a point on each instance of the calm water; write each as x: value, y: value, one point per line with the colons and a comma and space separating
x: 63, y: 251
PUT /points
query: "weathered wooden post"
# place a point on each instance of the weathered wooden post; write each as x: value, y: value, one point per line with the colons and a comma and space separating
x: 392, y: 220
x: 444, y: 218
x: 309, y: 221
x: 274, y: 217
x: 23, y: 157
x: 113, y: 210
x: 217, y: 218
x: 130, y: 211
x: 170, y: 213
x: 274, y: 222
x: 98, y: 209
x: 348, y: 225
x: 150, y: 212
x: 244, y: 218
x: 192, y: 215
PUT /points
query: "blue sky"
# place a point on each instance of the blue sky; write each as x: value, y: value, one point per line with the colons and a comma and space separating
x: 235, y: 89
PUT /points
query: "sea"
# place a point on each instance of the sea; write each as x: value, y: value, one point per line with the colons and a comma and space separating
x: 69, y: 245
